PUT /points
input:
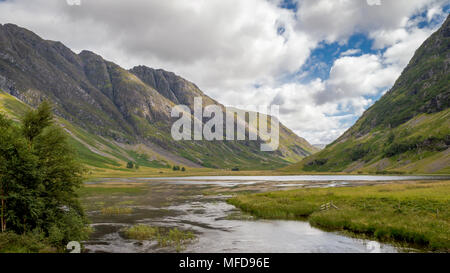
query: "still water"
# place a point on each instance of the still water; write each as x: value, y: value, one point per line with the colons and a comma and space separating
x: 199, y: 204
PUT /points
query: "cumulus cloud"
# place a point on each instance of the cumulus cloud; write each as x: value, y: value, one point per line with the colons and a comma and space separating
x: 333, y: 20
x: 213, y: 42
x: 351, y: 52
x: 357, y: 76
x: 248, y: 51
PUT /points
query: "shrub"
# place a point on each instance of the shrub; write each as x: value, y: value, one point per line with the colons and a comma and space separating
x: 130, y: 165
x: 318, y: 162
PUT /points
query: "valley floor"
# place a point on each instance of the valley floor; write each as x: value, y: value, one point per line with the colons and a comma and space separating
x: 165, y: 172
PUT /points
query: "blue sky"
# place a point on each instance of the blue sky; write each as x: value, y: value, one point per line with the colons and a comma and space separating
x: 323, y: 61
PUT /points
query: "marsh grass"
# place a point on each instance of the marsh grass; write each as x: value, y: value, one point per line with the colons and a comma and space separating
x: 166, y: 237
x: 116, y: 210
x: 415, y: 215
x: 94, y: 191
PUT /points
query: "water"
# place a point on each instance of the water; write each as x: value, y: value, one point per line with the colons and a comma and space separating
x: 199, y: 204
x: 301, y: 178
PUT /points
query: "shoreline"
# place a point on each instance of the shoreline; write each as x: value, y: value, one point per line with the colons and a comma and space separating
x: 156, y: 173
x: 391, y: 213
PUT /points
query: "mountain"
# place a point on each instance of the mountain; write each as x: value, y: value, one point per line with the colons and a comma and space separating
x: 408, y: 129
x: 122, y: 114
x: 320, y: 146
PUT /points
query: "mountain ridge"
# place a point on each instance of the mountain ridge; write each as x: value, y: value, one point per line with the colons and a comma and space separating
x: 129, y: 107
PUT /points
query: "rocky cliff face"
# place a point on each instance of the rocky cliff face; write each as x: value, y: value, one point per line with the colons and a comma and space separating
x: 129, y: 107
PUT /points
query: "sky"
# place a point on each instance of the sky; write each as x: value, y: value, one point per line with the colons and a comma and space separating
x: 323, y: 61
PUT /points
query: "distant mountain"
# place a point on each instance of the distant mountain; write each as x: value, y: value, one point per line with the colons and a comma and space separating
x: 128, y: 110
x: 320, y: 146
x: 408, y: 129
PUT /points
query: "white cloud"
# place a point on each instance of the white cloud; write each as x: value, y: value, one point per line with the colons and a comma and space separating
x: 401, y: 51
x: 337, y: 20
x: 351, y: 52
x: 212, y: 42
x: 73, y: 2
x: 228, y: 47
x: 352, y: 77
x: 374, y: 2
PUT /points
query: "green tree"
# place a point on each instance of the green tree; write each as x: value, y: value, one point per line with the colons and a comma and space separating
x: 19, y: 182
x: 39, y: 176
x: 183, y: 169
x: 61, y: 177
x: 34, y: 122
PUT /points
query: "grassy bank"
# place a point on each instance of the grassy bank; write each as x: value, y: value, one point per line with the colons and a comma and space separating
x: 414, y: 213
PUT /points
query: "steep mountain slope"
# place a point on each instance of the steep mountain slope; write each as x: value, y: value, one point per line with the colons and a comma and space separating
x: 408, y: 129
x: 125, y: 107
x: 96, y: 152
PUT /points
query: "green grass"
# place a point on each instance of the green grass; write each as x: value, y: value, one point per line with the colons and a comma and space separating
x: 165, y: 237
x: 12, y: 106
x: 90, y: 158
x: 24, y: 243
x: 412, y: 214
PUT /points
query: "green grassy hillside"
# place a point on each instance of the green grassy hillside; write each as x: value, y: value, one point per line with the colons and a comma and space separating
x: 97, y: 153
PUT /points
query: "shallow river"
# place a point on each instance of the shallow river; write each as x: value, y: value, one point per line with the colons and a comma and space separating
x: 199, y: 204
